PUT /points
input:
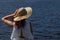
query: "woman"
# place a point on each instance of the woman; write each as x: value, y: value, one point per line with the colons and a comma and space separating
x: 22, y: 29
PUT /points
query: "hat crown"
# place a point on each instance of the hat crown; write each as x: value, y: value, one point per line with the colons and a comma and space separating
x: 23, y: 12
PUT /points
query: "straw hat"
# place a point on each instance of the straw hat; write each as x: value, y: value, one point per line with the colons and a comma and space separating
x: 23, y: 13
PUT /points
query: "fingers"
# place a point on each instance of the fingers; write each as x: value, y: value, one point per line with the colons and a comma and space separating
x: 15, y: 13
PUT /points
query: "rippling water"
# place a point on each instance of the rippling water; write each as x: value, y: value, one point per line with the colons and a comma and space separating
x: 45, y: 18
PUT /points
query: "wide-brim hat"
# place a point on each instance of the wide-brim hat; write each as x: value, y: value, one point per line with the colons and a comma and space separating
x: 23, y: 13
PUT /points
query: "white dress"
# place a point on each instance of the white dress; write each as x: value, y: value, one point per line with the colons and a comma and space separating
x: 26, y: 32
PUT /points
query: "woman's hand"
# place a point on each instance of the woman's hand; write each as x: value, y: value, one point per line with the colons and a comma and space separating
x: 15, y: 12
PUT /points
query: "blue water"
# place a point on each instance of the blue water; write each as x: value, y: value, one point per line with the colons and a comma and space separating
x: 45, y: 18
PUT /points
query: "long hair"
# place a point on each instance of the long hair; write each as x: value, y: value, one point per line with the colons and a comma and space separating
x: 21, y: 24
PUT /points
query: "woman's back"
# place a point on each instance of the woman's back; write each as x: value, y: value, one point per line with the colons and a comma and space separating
x: 26, y: 31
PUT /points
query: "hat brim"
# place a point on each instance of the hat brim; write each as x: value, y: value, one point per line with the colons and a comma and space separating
x: 29, y: 12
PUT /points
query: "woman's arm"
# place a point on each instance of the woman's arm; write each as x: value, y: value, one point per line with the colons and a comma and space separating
x: 8, y: 22
x: 31, y: 27
x: 10, y: 17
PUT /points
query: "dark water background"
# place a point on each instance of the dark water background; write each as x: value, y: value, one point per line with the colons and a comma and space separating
x: 45, y: 18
